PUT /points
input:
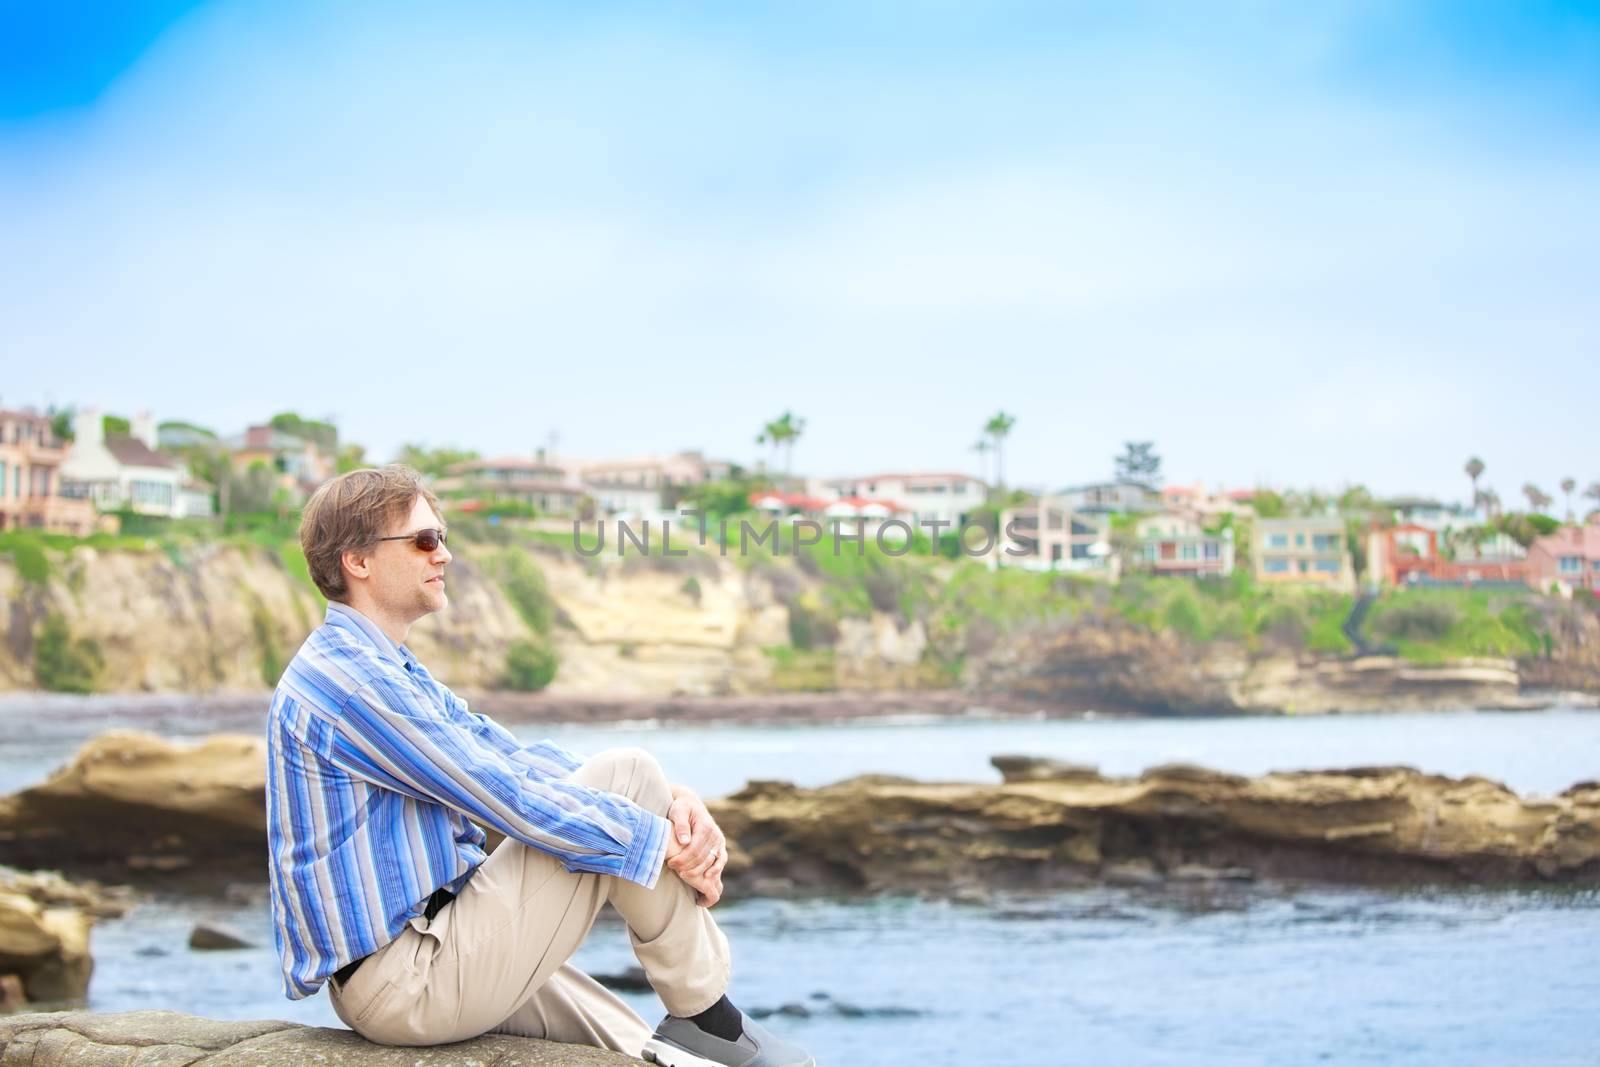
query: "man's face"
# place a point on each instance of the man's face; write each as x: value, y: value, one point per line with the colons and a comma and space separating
x: 408, y: 583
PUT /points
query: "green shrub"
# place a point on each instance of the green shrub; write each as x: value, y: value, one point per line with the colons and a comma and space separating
x: 63, y: 664
x: 1183, y: 615
x: 525, y: 587
x: 1416, y: 620
x: 33, y: 566
x: 529, y: 666
x: 272, y: 661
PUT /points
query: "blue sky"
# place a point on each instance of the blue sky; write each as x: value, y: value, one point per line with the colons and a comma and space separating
x: 1357, y: 242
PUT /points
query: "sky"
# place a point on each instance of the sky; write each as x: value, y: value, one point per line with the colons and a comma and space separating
x: 1293, y: 245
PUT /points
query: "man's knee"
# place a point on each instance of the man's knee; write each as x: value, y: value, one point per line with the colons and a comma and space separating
x: 631, y: 772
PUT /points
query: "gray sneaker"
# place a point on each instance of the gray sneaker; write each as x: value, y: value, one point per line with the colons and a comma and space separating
x: 680, y: 1043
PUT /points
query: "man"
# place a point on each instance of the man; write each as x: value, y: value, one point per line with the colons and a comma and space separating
x: 380, y: 884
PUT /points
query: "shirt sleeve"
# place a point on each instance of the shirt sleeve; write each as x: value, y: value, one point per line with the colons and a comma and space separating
x: 387, y: 735
x: 544, y: 757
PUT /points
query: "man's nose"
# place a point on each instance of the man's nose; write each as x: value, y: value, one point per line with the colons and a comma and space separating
x: 442, y: 555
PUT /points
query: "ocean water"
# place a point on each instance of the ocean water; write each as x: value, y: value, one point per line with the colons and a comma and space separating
x: 1253, y: 974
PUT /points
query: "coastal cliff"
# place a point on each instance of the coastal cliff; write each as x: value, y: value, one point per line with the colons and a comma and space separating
x: 225, y: 616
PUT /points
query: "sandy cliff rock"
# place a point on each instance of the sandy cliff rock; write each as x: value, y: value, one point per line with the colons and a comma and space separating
x: 44, y: 932
x: 1365, y: 826
x: 138, y: 800
x: 147, y: 803
x: 1121, y: 666
x: 169, y: 1039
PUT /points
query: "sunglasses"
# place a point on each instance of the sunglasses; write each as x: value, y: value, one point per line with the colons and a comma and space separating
x: 425, y: 540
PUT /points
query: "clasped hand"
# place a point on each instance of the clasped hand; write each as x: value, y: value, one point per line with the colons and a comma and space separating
x: 696, y: 850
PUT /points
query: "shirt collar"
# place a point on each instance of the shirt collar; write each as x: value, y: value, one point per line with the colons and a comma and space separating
x: 344, y: 614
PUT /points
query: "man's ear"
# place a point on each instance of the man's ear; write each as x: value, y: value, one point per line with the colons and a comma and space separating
x: 356, y: 564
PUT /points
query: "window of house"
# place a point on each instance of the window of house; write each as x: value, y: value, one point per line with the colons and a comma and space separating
x: 1305, y: 566
x: 1571, y: 565
x: 1150, y: 550
x: 2, y: 479
x: 1275, y: 566
x: 1190, y: 551
x: 1278, y: 541
x: 1325, y: 542
x: 1299, y: 540
x: 1328, y: 566
x: 1213, y: 550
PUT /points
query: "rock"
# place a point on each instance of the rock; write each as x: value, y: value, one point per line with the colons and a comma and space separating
x: 1371, y: 826
x: 145, y: 802
x: 44, y: 935
x: 206, y: 936
x: 1133, y: 873
x: 1040, y: 769
x: 12, y: 997
x: 170, y: 1039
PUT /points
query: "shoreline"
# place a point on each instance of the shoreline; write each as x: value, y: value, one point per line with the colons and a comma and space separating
x: 209, y: 710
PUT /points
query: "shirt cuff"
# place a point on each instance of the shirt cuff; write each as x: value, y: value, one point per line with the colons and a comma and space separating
x: 648, y: 852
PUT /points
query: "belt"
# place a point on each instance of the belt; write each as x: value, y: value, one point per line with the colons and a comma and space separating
x: 434, y: 905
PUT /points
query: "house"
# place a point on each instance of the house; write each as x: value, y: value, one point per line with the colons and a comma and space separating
x: 1106, y: 498
x: 1047, y: 534
x: 31, y: 490
x: 297, y: 464
x: 1196, y: 498
x: 648, y: 486
x: 123, y: 471
x: 931, y: 497
x: 1409, y: 554
x: 850, y: 515
x: 548, y: 484
x: 1566, y: 560
x: 1432, y: 514
x: 1308, y: 549
x: 1178, y: 544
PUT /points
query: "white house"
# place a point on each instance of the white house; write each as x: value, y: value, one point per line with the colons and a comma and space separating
x: 928, y: 496
x: 1046, y: 534
x: 122, y: 471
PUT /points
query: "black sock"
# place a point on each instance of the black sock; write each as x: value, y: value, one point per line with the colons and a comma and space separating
x: 722, y: 1020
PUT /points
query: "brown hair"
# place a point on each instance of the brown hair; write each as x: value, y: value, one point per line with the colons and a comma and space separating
x: 350, y: 513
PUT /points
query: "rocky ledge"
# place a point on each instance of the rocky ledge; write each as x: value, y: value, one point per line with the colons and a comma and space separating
x: 169, y: 1039
x: 139, y: 802
x: 1053, y: 826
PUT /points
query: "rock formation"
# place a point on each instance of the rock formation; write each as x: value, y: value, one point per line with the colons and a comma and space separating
x: 44, y: 934
x: 169, y: 1039
x: 1376, y: 825
x: 146, y: 803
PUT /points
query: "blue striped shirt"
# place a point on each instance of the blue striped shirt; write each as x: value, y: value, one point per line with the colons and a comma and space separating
x: 375, y: 773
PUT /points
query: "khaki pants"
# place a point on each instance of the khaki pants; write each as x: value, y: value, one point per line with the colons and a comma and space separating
x: 495, y: 958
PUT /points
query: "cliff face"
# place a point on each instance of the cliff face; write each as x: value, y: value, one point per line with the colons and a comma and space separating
x: 224, y: 617
x: 1160, y: 672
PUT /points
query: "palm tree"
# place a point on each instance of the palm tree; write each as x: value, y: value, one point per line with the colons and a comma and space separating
x: 1567, y: 486
x: 781, y: 433
x: 982, y: 449
x: 997, y: 428
x: 1537, y: 499
x: 1474, y: 471
x: 1593, y: 493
